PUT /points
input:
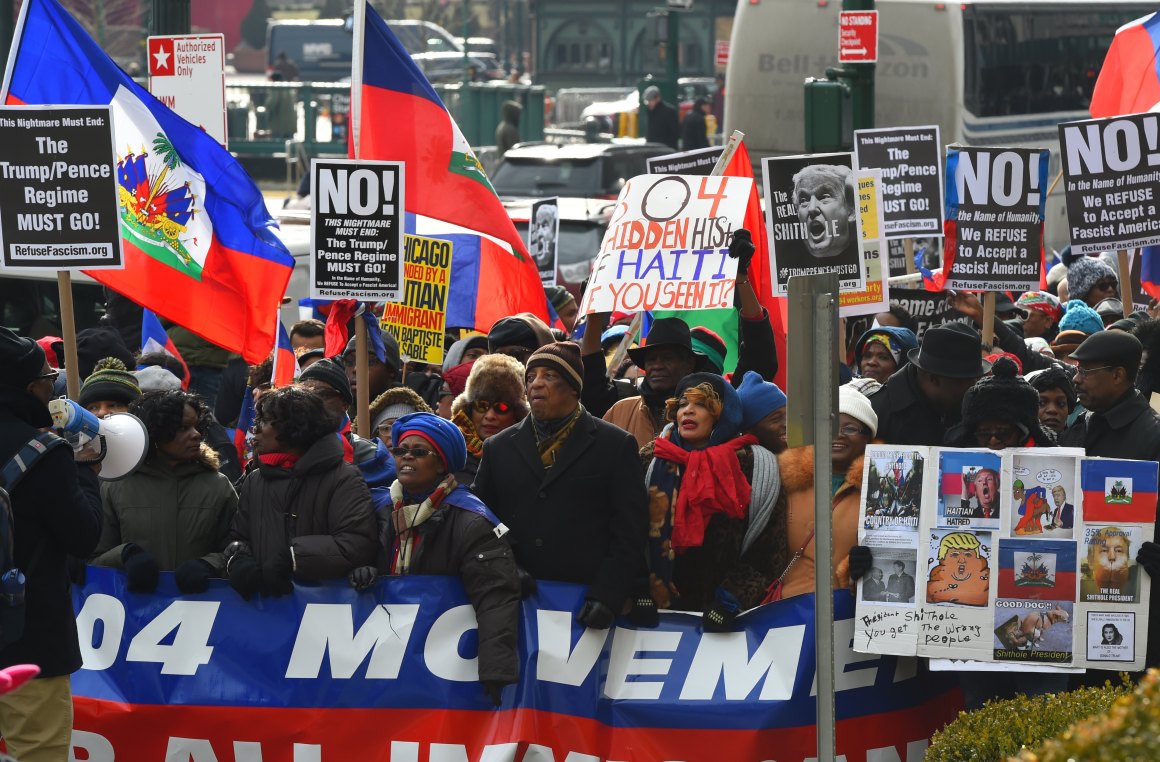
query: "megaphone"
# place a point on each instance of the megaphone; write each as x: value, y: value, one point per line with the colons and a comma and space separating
x: 123, y: 438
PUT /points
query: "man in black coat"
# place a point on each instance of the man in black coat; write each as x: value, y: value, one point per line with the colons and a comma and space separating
x: 571, y: 488
x: 57, y: 510
x: 663, y: 122
x: 694, y: 130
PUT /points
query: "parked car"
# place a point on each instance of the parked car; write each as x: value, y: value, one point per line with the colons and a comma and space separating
x: 30, y: 302
x: 582, y: 225
x: 579, y: 170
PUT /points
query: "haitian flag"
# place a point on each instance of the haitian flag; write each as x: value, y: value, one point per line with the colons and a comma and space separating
x: 1041, y: 570
x: 199, y: 245
x: 285, y: 370
x: 397, y: 116
x: 1129, y: 81
x: 1118, y: 491
x: 1150, y: 270
x: 154, y: 338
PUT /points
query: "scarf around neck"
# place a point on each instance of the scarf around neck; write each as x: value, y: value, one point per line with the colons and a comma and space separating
x: 551, y: 435
x: 279, y: 459
x: 470, y: 435
x: 406, y: 517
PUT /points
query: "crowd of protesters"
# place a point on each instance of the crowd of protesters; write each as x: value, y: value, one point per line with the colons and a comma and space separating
x: 650, y: 476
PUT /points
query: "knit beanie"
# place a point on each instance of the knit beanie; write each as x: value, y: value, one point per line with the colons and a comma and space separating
x: 1054, y: 377
x: 558, y: 296
x: 1083, y: 272
x: 332, y: 374
x: 95, y: 344
x: 1077, y: 316
x: 856, y: 405
x: 110, y: 380
x: 897, y: 340
x: 21, y: 359
x: 456, y: 378
x: 710, y: 346
x: 154, y: 378
x: 1005, y: 396
x: 563, y: 356
x: 442, y: 434
x: 759, y: 398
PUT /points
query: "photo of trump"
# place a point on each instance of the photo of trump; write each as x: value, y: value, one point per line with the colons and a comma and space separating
x: 824, y: 197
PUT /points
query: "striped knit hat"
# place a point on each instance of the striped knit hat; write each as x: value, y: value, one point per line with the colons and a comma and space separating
x: 110, y: 380
x: 563, y: 356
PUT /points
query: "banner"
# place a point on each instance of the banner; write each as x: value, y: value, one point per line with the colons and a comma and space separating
x: 389, y: 675
x: 811, y: 214
x: 544, y: 237
x: 911, y: 162
x: 1110, y: 178
x: 667, y: 245
x: 929, y: 308
x: 876, y: 296
x: 697, y: 162
x: 995, y: 201
x: 419, y: 322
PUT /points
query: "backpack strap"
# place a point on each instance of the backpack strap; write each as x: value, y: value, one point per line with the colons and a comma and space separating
x: 26, y: 457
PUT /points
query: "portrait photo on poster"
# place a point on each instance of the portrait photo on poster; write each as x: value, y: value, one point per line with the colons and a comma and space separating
x: 1109, y: 572
x: 543, y: 237
x: 969, y: 489
x: 891, y: 579
x: 1111, y: 636
x: 812, y: 218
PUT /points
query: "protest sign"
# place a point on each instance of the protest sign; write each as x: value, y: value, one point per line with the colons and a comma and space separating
x: 876, y: 296
x: 356, y: 230
x: 929, y: 308
x: 419, y: 322
x: 1110, y: 178
x: 911, y: 162
x: 667, y: 245
x: 187, y: 74
x: 59, y: 191
x: 544, y: 237
x: 698, y: 162
x: 1024, y: 556
x: 322, y: 671
x: 995, y: 201
x: 811, y: 216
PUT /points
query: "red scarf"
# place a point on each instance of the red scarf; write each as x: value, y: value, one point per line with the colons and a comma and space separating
x: 344, y: 438
x: 279, y: 459
x: 711, y: 483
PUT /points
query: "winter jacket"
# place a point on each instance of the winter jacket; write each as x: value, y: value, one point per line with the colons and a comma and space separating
x: 585, y: 519
x: 507, y: 133
x: 321, y: 508
x: 905, y: 417
x: 633, y: 415
x: 694, y: 131
x: 57, y: 509
x: 175, y: 513
x: 663, y: 125
x: 797, y: 482
x: 196, y: 351
x: 454, y: 541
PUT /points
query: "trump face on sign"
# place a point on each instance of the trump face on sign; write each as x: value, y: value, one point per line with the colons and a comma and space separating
x: 824, y: 197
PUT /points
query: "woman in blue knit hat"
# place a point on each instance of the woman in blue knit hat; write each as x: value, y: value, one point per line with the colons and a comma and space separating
x: 434, y: 525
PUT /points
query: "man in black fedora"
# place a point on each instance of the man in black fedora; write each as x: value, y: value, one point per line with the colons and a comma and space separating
x: 924, y: 398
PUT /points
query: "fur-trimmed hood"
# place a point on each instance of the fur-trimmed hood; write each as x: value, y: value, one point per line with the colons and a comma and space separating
x: 494, y: 377
x: 797, y: 470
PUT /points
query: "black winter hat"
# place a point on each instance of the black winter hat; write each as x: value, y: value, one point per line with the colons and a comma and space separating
x: 1054, y: 377
x: 21, y: 359
x: 95, y: 344
x: 390, y: 350
x: 1005, y: 396
x: 564, y: 357
x: 332, y: 374
x: 665, y: 332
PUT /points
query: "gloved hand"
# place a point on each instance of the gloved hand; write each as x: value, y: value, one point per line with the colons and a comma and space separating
x: 193, y: 576
x: 363, y: 577
x: 77, y: 570
x: 494, y: 691
x: 141, y: 569
x: 595, y: 614
x: 278, y: 575
x: 861, y: 559
x: 742, y: 249
x: 644, y: 611
x: 722, y: 613
x: 245, y: 575
x: 527, y: 583
x: 1149, y: 558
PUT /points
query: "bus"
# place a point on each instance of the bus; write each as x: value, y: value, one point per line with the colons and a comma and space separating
x: 987, y: 73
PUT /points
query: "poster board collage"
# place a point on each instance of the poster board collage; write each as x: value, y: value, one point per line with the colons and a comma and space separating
x: 1019, y: 558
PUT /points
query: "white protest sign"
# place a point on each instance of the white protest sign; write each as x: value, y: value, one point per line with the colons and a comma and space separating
x: 667, y: 245
x: 187, y: 74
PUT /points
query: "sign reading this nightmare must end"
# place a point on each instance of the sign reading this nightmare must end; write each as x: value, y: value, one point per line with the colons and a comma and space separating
x: 911, y: 162
x: 994, y: 217
x: 356, y: 230
x: 58, y: 189
x: 1111, y: 171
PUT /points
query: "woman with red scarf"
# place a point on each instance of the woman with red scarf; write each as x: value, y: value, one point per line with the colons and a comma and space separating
x: 714, y: 516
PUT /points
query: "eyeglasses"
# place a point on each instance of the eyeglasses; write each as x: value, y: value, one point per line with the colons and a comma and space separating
x: 1081, y: 372
x: 482, y: 406
x: 52, y: 376
x: 850, y: 430
x: 414, y: 452
x: 982, y: 436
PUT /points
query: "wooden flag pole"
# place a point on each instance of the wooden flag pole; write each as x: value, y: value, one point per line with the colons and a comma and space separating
x: 1125, y: 281
x: 68, y: 326
x: 908, y: 249
x: 988, y: 320
x: 362, y: 373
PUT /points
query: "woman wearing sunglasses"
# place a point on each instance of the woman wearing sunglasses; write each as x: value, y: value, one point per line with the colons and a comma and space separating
x: 434, y: 525
x: 492, y: 401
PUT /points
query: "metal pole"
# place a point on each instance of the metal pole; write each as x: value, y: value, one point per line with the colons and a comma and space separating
x: 861, y: 79
x: 672, y: 53
x: 7, y: 27
x: 466, y: 34
x: 171, y: 17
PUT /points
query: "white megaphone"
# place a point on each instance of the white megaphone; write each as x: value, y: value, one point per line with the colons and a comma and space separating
x: 124, y: 440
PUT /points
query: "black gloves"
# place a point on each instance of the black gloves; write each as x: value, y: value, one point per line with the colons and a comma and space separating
x: 242, y: 570
x: 140, y: 568
x: 494, y: 691
x: 193, y: 576
x: 363, y: 577
x: 860, y: 561
x: 644, y: 611
x: 742, y: 249
x: 527, y: 583
x: 722, y: 614
x: 1149, y: 558
x: 595, y: 614
x: 278, y: 578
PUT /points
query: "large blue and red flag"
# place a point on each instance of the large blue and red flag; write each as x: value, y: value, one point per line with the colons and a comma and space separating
x: 200, y: 247
x: 285, y: 367
x: 154, y: 338
x: 397, y: 116
x: 1129, y: 81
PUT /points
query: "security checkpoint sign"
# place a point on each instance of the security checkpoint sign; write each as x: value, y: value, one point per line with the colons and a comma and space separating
x: 187, y: 74
x: 356, y: 230
x: 667, y: 245
x: 58, y: 189
x: 858, y: 37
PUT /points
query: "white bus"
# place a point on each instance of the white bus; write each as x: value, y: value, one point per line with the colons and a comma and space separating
x: 988, y: 73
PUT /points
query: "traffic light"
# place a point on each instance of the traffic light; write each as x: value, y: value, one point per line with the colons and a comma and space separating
x: 829, y: 116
